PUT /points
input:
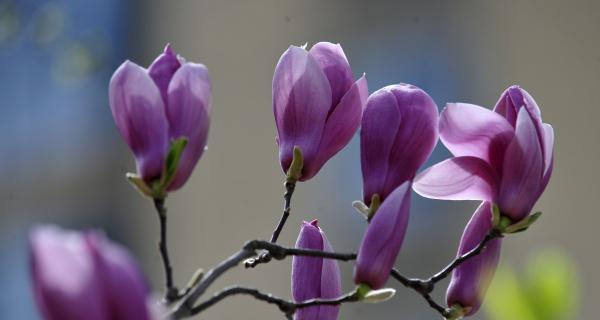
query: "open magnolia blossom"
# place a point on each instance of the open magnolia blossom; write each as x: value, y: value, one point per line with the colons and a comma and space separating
x: 503, y: 156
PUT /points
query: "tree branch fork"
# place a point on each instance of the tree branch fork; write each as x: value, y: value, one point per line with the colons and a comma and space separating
x: 186, y: 306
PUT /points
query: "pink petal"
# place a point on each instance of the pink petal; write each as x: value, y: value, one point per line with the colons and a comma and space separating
x: 470, y: 130
x: 548, y: 152
x: 64, y: 281
x: 380, y: 122
x: 162, y: 70
x: 125, y: 288
x: 333, y: 62
x: 471, y: 279
x: 189, y: 116
x: 395, y: 143
x: 383, y: 239
x: 139, y: 113
x: 340, y: 126
x: 460, y: 178
x: 523, y: 167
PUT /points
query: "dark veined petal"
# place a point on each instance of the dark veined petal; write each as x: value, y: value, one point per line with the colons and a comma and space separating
x: 470, y: 130
x: 512, y: 100
x: 523, y: 168
x: 335, y: 66
x: 301, y: 102
x: 189, y: 116
x: 459, y: 178
x: 383, y: 239
x: 340, y: 126
x: 331, y: 283
x: 471, y: 279
x: 380, y: 123
x: 139, y: 114
x: 162, y: 70
x: 395, y: 144
x: 314, y: 277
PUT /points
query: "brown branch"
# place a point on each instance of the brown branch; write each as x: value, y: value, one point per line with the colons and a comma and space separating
x: 265, y: 257
x: 171, y: 293
x: 287, y: 307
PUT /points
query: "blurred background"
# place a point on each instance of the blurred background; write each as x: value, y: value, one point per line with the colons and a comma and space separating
x: 62, y: 160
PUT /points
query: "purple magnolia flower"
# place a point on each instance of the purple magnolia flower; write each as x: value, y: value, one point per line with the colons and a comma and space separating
x: 383, y: 239
x: 314, y: 277
x: 85, y: 276
x: 471, y: 279
x: 317, y: 104
x: 503, y: 156
x: 170, y: 100
x: 399, y: 131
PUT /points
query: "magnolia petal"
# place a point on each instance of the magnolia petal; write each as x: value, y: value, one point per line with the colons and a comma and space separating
x: 331, y: 283
x: 548, y: 154
x: 470, y: 280
x: 470, y: 130
x: 125, y: 289
x: 340, y: 126
x: 64, y: 282
x: 416, y: 137
x: 380, y: 122
x: 383, y: 239
x: 139, y: 113
x: 314, y: 277
x: 301, y: 102
x: 459, y: 178
x: 335, y: 66
x: 162, y: 70
x: 189, y: 112
x: 523, y: 167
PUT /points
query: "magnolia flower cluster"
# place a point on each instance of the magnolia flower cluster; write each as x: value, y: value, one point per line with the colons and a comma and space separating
x: 501, y: 157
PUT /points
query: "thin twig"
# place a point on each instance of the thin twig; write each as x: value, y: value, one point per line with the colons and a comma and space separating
x: 290, y: 186
x: 184, y: 307
x: 491, y: 235
x: 425, y: 287
x: 287, y: 307
x: 422, y: 287
x: 171, y: 293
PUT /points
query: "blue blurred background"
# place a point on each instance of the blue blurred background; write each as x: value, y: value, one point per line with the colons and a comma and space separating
x: 62, y: 160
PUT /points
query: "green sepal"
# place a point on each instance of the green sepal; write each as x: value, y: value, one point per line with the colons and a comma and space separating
x: 295, y: 170
x: 456, y: 311
x: 523, y: 224
x: 159, y: 188
x: 362, y: 290
x: 139, y: 183
x: 496, y: 215
x: 375, y: 203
